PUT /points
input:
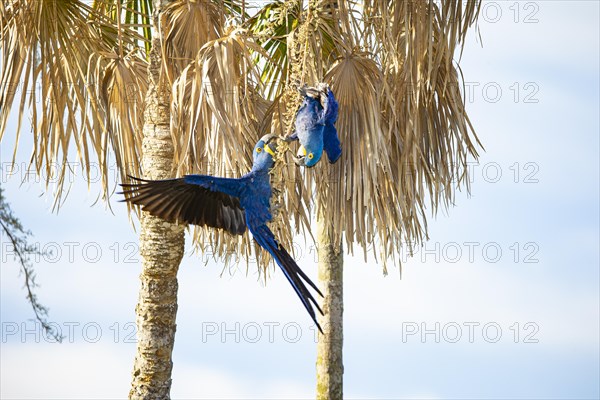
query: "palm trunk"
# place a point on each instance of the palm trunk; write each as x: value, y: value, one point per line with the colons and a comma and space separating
x: 330, y: 369
x: 161, y: 249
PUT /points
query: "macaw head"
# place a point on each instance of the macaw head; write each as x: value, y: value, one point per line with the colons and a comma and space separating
x: 264, y: 151
x: 310, y: 153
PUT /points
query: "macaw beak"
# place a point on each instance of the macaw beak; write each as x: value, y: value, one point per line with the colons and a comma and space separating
x: 270, y: 148
x: 301, y: 162
x: 268, y: 137
x: 301, y: 157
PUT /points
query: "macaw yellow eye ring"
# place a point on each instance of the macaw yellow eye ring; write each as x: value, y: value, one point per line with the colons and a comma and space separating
x: 258, y: 149
x: 311, y: 156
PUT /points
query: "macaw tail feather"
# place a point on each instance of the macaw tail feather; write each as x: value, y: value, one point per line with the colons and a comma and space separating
x: 292, y: 271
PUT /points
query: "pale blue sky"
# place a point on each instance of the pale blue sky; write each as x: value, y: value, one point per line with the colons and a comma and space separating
x: 543, y: 208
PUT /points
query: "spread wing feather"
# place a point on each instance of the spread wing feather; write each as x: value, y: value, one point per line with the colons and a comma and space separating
x: 177, y: 200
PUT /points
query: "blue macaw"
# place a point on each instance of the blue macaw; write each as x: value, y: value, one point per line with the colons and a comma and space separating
x: 315, y: 126
x: 231, y: 204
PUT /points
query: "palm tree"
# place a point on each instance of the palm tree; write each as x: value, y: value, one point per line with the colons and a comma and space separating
x: 97, y: 73
x: 97, y: 79
x: 405, y: 133
x: 174, y: 87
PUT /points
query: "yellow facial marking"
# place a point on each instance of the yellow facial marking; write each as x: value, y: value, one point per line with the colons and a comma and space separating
x: 258, y: 149
x: 268, y: 150
x: 302, y: 150
x: 310, y: 156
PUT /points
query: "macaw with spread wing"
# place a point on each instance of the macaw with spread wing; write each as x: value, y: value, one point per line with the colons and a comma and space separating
x: 231, y: 204
x: 315, y: 127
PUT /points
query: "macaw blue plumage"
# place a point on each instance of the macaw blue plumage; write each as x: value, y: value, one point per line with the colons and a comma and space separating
x: 227, y: 203
x: 315, y: 126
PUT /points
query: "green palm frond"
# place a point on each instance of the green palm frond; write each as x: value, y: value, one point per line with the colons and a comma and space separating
x: 271, y: 27
x: 276, y: 27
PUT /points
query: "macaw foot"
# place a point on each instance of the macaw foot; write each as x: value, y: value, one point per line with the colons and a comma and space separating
x: 288, y: 139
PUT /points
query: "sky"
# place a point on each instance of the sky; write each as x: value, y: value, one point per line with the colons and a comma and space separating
x: 502, y: 302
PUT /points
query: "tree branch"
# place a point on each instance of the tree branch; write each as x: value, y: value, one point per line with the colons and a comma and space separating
x: 17, y: 235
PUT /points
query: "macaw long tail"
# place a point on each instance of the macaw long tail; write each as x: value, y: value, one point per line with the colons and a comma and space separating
x: 292, y: 271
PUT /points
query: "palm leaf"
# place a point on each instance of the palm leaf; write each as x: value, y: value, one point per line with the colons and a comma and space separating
x: 59, y: 53
x: 217, y: 114
x: 405, y: 132
x: 188, y: 25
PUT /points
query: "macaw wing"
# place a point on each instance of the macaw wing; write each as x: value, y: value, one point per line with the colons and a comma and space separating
x: 265, y: 238
x: 330, y: 107
x: 195, y: 199
x: 331, y: 143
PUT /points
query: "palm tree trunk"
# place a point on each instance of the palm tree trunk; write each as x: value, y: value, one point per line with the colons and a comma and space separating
x: 161, y: 248
x: 330, y: 369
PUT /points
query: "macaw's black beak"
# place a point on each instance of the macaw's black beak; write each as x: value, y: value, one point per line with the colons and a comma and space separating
x: 272, y: 147
x: 300, y: 158
x: 300, y: 161
x: 270, y: 142
x: 268, y: 137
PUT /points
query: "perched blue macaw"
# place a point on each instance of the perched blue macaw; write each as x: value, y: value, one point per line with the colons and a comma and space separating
x: 231, y: 204
x: 315, y: 126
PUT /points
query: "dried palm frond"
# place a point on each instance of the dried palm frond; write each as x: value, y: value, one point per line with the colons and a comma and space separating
x: 123, y: 91
x: 405, y: 133
x: 217, y: 114
x: 187, y: 25
x: 54, y: 53
x: 310, y: 47
x: 427, y: 110
x: 214, y: 110
x: 424, y: 123
x: 353, y: 185
x: 124, y: 25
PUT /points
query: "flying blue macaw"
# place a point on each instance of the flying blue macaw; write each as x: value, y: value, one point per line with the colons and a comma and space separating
x: 315, y: 126
x: 231, y: 204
